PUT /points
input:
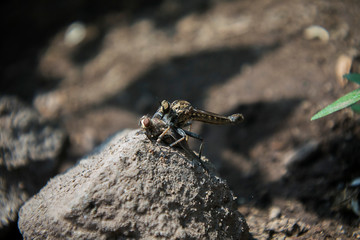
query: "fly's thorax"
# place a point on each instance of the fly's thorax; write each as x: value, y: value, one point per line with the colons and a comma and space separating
x: 180, y: 106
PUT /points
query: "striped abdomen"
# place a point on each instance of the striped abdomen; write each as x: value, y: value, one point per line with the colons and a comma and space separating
x: 213, y: 118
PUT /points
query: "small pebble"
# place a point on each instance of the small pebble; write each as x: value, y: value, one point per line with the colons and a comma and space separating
x: 75, y: 34
x: 355, y: 182
x: 356, y: 234
x: 343, y: 65
x: 316, y: 32
x: 275, y: 212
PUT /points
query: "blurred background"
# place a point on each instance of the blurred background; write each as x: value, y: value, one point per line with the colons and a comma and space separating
x: 93, y: 68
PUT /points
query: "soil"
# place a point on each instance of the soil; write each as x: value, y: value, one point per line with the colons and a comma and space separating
x: 252, y: 57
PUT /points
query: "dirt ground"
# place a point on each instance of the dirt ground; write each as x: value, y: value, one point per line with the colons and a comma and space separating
x: 102, y: 74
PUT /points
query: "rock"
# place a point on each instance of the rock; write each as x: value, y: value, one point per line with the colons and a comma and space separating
x: 28, y: 151
x: 75, y: 34
x: 356, y: 234
x: 275, y: 212
x: 134, y: 188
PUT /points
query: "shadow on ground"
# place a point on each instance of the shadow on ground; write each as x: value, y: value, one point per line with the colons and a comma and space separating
x: 186, y: 77
x: 262, y: 120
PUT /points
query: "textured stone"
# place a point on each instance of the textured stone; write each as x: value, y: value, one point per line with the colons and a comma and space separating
x: 131, y: 187
x: 29, y: 147
x: 25, y: 137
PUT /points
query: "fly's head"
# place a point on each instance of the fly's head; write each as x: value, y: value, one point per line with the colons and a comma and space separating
x: 153, y: 127
x: 163, y: 110
x: 165, y: 107
x: 145, y: 122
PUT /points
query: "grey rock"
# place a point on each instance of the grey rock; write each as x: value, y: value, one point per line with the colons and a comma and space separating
x: 29, y: 147
x: 133, y: 188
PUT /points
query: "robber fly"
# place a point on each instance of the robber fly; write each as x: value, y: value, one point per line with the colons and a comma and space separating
x: 154, y: 127
x: 180, y: 114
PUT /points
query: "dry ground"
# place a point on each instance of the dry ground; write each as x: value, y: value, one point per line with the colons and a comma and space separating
x: 222, y: 56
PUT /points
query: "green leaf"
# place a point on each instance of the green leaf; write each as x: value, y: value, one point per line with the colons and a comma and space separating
x: 354, y: 77
x: 343, y: 102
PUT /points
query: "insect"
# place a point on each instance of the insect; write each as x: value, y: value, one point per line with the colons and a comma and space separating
x: 154, y: 127
x: 180, y: 114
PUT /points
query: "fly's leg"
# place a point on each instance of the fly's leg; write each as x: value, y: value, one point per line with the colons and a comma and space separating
x: 183, y: 133
x: 163, y: 134
x: 180, y: 131
x: 185, y: 125
x: 194, y: 135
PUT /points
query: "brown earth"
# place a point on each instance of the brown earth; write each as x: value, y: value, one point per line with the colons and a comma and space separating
x: 223, y: 56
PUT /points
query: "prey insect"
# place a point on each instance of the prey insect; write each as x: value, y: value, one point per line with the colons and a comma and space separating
x: 180, y: 114
x: 154, y: 127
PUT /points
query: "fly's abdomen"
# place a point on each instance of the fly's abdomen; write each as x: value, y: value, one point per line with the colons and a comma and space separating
x: 213, y: 118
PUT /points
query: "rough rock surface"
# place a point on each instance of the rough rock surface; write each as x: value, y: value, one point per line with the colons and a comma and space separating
x: 25, y: 136
x: 131, y: 187
x: 29, y: 147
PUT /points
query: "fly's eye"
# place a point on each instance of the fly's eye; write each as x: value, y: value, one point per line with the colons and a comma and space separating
x: 165, y: 106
